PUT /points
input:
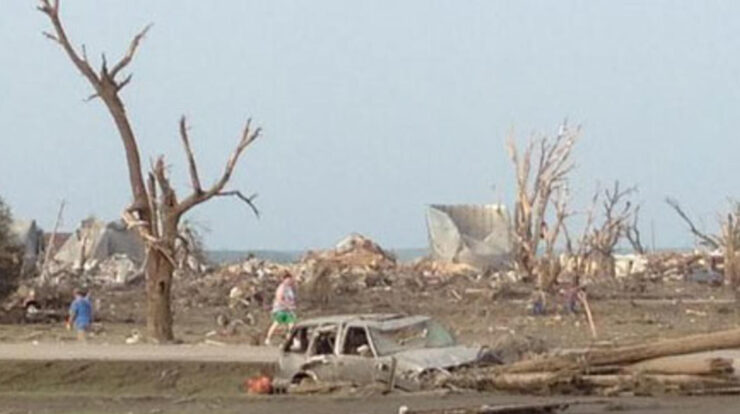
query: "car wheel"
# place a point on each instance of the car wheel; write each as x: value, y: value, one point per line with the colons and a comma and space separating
x: 303, y: 380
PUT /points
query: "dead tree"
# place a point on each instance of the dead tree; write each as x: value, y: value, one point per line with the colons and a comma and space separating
x: 618, y: 213
x: 548, y: 266
x: 727, y: 241
x: 580, y: 251
x: 155, y: 210
x: 708, y: 240
x: 540, y: 171
x: 632, y: 233
x: 731, y: 242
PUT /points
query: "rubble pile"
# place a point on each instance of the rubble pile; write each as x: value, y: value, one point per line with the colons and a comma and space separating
x: 355, y: 263
x: 116, y: 270
x: 356, y: 253
x: 249, y: 283
x: 430, y: 268
x: 689, y: 266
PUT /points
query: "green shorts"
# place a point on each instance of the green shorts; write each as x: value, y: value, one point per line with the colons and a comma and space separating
x: 284, y: 317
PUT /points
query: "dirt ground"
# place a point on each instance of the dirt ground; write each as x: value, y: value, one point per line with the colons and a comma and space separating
x: 624, y: 313
x: 79, y: 387
x: 81, y: 404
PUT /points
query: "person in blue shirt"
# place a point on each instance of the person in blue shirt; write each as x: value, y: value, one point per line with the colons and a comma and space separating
x: 80, y: 314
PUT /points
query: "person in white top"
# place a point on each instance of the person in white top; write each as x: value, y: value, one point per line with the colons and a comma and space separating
x: 283, y: 307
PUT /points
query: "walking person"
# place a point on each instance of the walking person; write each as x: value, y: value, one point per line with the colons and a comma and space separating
x: 80, y: 314
x: 283, y: 307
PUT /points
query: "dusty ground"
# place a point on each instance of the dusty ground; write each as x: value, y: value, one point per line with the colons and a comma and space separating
x: 77, y: 404
x: 624, y: 313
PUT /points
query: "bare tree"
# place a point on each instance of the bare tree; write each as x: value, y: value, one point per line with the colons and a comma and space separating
x: 155, y: 210
x: 580, y: 251
x: 618, y: 214
x: 729, y: 231
x: 730, y: 243
x: 541, y: 171
x: 727, y: 241
x: 632, y: 232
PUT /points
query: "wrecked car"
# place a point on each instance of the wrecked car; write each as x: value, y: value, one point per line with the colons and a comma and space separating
x: 363, y: 349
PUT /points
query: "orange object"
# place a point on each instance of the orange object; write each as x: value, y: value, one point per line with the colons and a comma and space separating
x: 261, y: 384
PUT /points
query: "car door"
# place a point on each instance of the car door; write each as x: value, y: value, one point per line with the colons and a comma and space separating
x: 357, y: 361
x: 294, y: 353
x: 321, y: 361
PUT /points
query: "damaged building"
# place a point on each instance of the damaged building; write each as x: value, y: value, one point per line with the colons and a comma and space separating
x: 103, y: 244
x: 478, y: 235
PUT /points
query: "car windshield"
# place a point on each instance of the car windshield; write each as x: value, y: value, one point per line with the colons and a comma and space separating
x: 415, y: 335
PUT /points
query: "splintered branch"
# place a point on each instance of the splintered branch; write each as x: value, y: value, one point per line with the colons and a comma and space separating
x: 709, y: 240
x: 248, y: 136
x: 191, y: 158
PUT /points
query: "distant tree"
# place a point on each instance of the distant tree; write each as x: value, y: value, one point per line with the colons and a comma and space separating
x: 10, y: 254
x: 727, y: 241
x: 541, y: 213
x: 617, y: 223
x: 542, y: 168
x: 155, y: 211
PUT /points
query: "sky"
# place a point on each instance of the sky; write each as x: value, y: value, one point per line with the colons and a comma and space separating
x: 372, y: 110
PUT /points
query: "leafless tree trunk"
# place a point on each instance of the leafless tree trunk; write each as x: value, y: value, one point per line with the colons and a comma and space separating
x: 155, y: 210
x: 730, y: 241
x: 632, y: 233
x: 548, y: 266
x: 579, y: 253
x: 534, y: 190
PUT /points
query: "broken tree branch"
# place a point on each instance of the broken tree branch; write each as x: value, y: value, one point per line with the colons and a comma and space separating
x: 709, y: 240
x: 51, y: 9
x: 131, y: 51
x: 248, y: 136
x: 195, y: 180
x: 249, y: 200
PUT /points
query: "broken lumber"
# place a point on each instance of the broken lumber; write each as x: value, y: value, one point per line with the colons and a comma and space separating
x: 584, y: 300
x: 534, y: 408
x: 549, y: 381
x: 319, y: 387
x: 687, y: 365
x: 629, y: 354
x: 686, y: 381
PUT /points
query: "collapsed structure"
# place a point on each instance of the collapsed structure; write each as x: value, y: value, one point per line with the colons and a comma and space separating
x: 478, y: 235
x: 30, y: 238
x: 105, y: 249
x: 96, y: 240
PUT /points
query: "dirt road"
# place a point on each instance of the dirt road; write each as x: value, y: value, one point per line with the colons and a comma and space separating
x: 138, y: 352
x: 96, y: 378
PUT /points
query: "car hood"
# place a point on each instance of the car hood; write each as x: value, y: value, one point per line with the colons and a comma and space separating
x: 434, y: 358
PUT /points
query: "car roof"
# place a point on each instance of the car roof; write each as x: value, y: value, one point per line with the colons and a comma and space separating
x: 379, y: 320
